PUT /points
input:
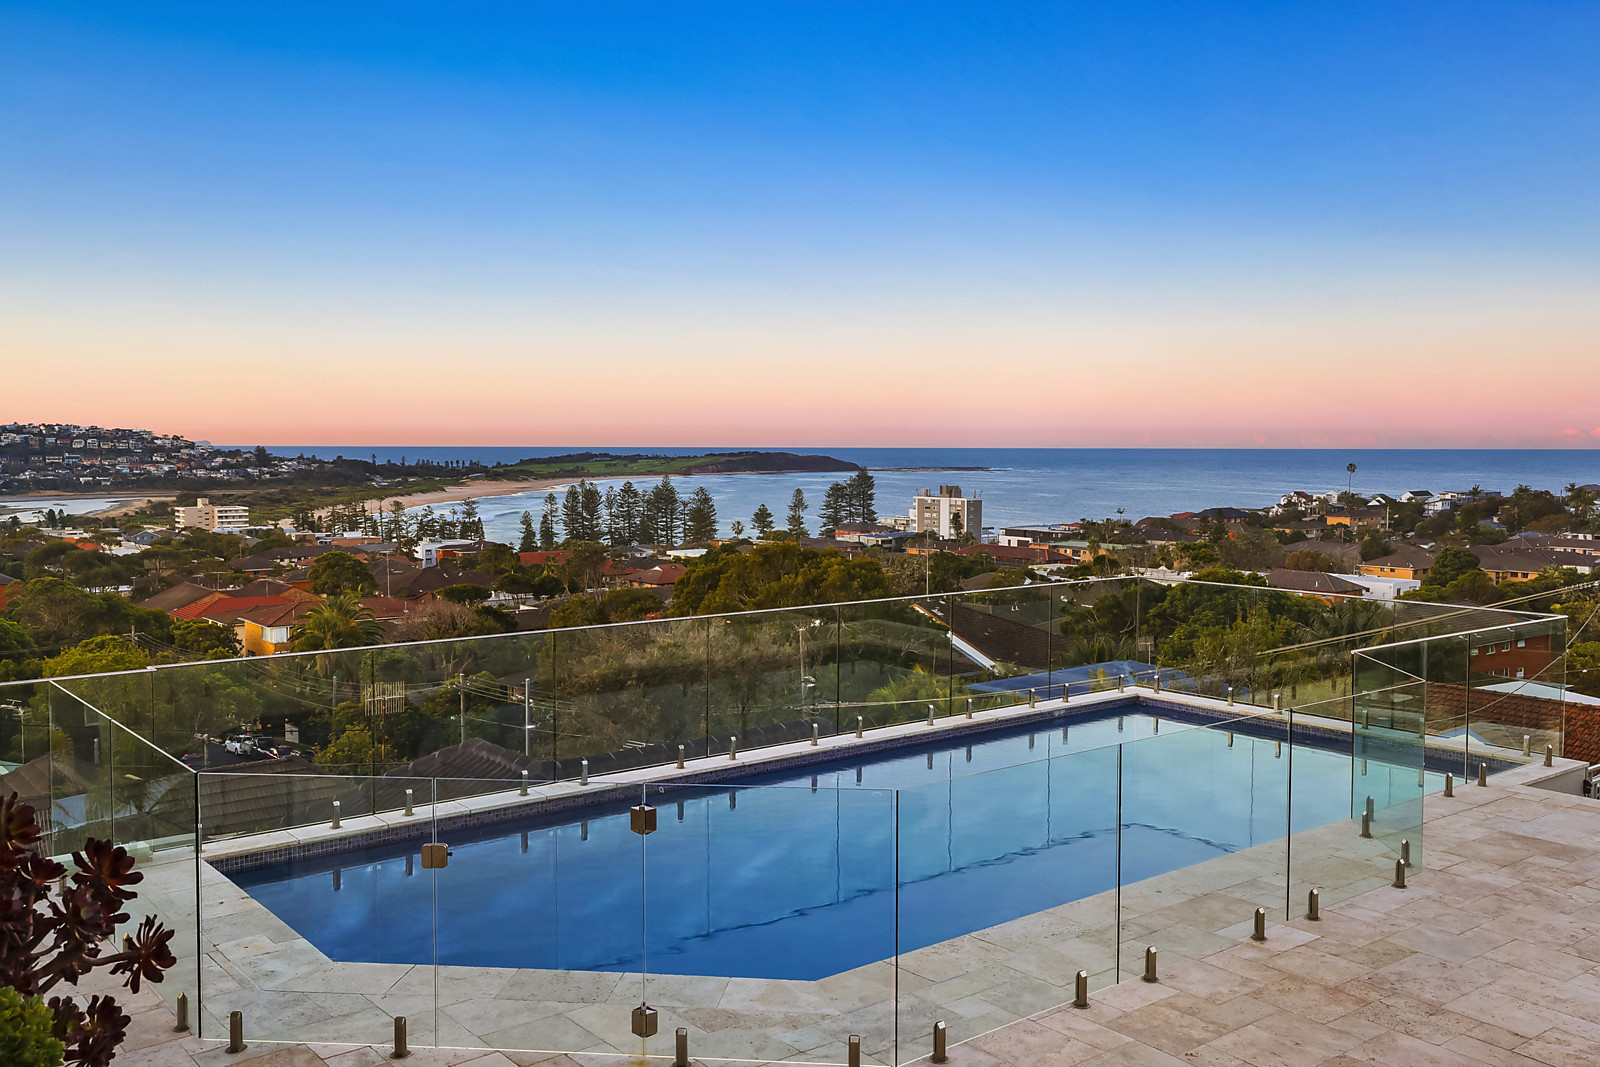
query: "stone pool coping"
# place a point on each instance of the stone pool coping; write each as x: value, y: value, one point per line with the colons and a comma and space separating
x: 249, y: 960
x: 273, y: 847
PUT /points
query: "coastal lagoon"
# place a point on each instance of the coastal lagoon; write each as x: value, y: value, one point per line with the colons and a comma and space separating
x: 1026, y: 485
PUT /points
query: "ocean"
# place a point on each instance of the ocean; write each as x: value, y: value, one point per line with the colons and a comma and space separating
x: 1031, y: 485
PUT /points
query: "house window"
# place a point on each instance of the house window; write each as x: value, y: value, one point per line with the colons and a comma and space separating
x: 1519, y: 672
x: 1505, y: 646
x: 1491, y: 650
x: 1522, y: 642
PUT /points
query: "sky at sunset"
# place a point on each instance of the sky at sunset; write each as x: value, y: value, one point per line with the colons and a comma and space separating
x: 804, y: 224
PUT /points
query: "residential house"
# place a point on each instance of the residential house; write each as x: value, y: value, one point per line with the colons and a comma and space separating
x: 873, y: 534
x: 1355, y: 518
x: 7, y: 585
x: 1319, y: 584
x: 180, y: 596
x: 1515, y: 561
x: 1407, y: 561
x: 1022, y: 536
x: 662, y: 574
x: 268, y: 630
x: 1017, y: 555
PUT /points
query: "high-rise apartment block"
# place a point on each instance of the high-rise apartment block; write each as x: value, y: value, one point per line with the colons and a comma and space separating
x: 947, y: 514
x: 214, y: 517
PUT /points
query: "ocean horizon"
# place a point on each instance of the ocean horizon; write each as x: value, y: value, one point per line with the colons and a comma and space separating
x: 1028, y: 485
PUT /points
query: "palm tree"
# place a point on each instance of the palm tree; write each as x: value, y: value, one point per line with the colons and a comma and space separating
x: 1349, y: 483
x: 339, y: 621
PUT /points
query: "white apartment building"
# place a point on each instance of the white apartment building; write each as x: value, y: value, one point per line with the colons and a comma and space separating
x: 946, y: 513
x: 218, y: 518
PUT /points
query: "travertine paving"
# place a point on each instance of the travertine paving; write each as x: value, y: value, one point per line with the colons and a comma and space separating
x: 1491, y: 955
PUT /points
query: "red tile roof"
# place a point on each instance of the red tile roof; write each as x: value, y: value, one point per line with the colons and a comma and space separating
x: 229, y: 610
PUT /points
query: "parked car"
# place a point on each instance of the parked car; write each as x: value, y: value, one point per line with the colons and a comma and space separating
x: 244, y: 745
x: 193, y: 760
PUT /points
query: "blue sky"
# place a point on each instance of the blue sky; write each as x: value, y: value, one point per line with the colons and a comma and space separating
x: 752, y: 205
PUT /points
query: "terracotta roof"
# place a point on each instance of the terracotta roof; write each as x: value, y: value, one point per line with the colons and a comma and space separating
x: 276, y: 614
x: 273, y: 587
x: 178, y: 596
x: 229, y: 610
x: 388, y: 607
x: 196, y: 608
x: 661, y: 574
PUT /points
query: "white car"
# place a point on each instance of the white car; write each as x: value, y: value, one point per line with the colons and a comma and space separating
x: 243, y: 745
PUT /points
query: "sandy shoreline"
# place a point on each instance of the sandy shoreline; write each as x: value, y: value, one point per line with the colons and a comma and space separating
x: 454, y: 494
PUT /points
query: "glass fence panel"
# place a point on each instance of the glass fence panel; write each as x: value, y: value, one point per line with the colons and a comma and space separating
x: 771, y: 675
x: 1513, y: 697
x: 24, y: 728
x: 627, y: 693
x: 1393, y: 714
x: 1204, y: 817
x: 80, y: 790
x: 1008, y: 877
x: 317, y: 931
x: 1326, y: 851
x: 538, y: 916
x: 136, y: 797
x: 895, y: 660
x: 769, y: 925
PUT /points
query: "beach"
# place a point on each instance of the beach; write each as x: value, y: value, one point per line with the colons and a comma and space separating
x: 475, y: 490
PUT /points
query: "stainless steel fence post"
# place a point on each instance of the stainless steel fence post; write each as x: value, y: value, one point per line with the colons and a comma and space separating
x: 523, y: 791
x: 1080, y: 990
x: 1260, y: 931
x: 1449, y: 784
x: 1405, y: 852
x: 583, y: 772
x: 681, y: 1054
x: 816, y: 731
x: 1399, y: 874
x: 939, y: 1055
x: 236, y: 1032
x: 860, y: 721
x: 400, y: 1050
x: 1527, y: 745
x: 1150, y: 964
x: 733, y: 746
x: 408, y: 802
x: 1549, y: 755
x: 1314, y: 905
x: 182, y: 1013
x: 855, y: 1051
x: 680, y: 757
x: 930, y: 714
x: 335, y: 824
x: 1483, y: 774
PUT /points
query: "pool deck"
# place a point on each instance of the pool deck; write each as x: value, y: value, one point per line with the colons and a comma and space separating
x: 1491, y: 955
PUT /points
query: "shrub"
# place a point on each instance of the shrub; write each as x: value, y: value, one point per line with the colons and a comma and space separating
x: 25, y: 1032
x: 52, y: 933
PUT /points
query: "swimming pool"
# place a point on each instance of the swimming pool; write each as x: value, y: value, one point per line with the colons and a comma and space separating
x: 806, y: 872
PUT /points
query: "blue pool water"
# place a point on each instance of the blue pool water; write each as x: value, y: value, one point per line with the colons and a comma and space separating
x: 793, y: 874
